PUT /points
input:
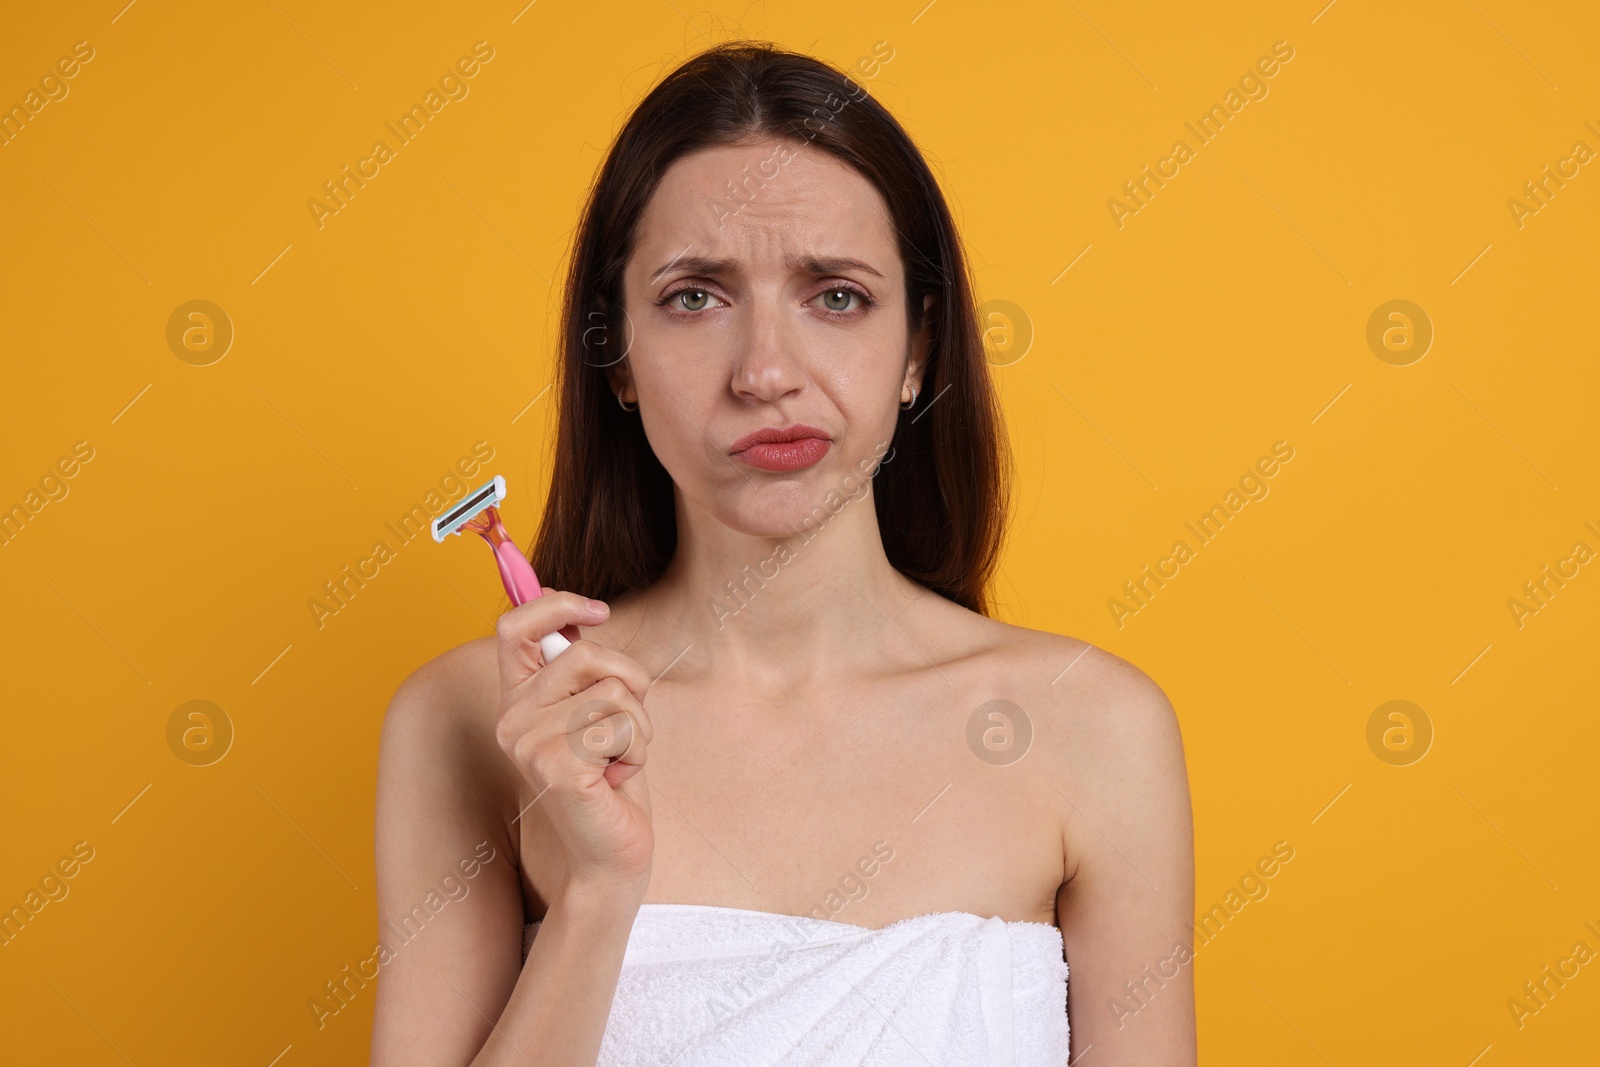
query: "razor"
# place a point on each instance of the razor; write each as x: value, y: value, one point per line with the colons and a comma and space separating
x: 479, y: 513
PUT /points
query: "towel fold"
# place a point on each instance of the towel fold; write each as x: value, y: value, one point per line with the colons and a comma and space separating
x: 709, y: 986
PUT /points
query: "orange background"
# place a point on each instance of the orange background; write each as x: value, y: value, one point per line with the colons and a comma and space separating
x: 1230, y: 312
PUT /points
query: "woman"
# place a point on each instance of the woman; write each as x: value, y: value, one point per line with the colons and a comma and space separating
x: 875, y: 824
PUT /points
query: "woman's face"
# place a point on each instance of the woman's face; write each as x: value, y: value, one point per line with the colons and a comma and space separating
x: 766, y: 290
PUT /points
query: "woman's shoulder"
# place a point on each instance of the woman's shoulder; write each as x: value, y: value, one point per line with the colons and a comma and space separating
x: 1078, y: 684
x: 1108, y: 735
x: 458, y: 676
x: 452, y: 699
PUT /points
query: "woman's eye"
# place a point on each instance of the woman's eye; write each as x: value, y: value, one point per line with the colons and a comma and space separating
x: 692, y: 299
x: 838, y: 300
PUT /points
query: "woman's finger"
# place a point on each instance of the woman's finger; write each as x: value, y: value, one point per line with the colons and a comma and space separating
x: 584, y: 664
x: 519, y: 630
x: 607, y: 733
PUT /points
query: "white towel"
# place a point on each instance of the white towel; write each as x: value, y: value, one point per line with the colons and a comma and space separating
x: 708, y: 986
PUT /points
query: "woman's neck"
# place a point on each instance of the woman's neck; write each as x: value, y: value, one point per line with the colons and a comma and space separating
x: 780, y: 614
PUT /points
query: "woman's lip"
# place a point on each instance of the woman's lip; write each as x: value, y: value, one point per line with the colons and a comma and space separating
x: 785, y: 455
x: 776, y: 434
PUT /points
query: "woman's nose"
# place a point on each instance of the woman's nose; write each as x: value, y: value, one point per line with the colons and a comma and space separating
x: 770, y: 359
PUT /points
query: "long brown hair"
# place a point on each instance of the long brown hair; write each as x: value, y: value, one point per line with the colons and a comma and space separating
x: 941, y: 494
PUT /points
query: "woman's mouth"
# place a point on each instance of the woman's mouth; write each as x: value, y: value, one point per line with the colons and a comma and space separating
x: 782, y: 448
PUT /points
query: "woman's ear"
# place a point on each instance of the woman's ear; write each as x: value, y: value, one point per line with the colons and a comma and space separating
x: 603, y: 348
x: 619, y: 378
x: 921, y: 343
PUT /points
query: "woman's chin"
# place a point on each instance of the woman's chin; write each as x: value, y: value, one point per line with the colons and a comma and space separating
x: 804, y: 516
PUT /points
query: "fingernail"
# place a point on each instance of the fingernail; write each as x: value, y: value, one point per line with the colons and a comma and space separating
x: 599, y: 607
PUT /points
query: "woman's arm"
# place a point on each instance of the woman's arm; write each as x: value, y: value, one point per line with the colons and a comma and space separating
x: 449, y: 968
x: 576, y: 731
x: 1127, y: 902
x: 453, y: 989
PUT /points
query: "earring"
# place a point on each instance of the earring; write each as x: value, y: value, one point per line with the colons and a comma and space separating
x: 635, y: 407
x: 908, y: 407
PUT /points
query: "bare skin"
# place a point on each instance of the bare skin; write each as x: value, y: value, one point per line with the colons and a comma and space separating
x: 766, y: 744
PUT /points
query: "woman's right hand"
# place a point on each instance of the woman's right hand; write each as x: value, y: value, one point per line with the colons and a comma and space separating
x: 577, y: 730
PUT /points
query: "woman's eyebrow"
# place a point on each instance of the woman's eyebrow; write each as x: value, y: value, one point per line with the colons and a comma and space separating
x: 830, y: 264
x: 812, y: 265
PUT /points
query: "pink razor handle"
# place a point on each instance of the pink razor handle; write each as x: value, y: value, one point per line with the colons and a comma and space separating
x: 516, y: 573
